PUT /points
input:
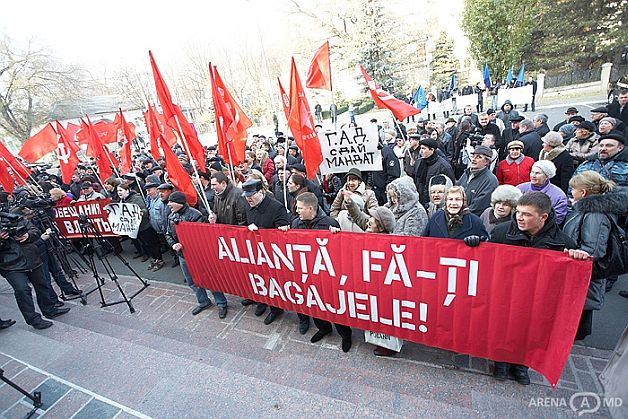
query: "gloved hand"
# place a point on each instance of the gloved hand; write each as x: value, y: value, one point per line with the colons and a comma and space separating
x: 474, y: 241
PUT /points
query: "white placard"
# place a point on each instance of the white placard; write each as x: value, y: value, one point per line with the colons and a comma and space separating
x: 124, y: 218
x: 518, y: 95
x: 350, y: 147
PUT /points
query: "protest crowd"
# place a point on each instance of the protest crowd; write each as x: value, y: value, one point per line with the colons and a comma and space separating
x: 499, y: 175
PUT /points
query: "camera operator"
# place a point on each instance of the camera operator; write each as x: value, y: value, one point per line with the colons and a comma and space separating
x: 20, y: 264
x: 39, y: 212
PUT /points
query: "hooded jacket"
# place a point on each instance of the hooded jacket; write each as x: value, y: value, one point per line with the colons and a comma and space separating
x: 410, y: 214
x: 505, y: 116
x: 592, y: 213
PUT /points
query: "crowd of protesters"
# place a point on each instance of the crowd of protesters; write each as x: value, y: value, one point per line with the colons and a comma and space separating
x: 496, y: 175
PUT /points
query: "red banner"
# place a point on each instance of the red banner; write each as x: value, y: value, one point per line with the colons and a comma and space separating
x: 67, y: 218
x: 500, y: 302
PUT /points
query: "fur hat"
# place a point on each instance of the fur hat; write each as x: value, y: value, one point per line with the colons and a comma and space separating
x: 553, y: 139
x: 547, y: 167
x: 588, y: 125
x: 428, y: 142
x: 506, y: 193
x: 385, y: 217
x: 568, y: 130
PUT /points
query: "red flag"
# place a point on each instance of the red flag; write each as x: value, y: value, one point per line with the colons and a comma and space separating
x: 152, y: 125
x: 231, y: 121
x: 385, y: 100
x: 126, y: 137
x: 66, y: 153
x: 6, y: 181
x: 107, y: 133
x: 177, y: 174
x: 40, y: 144
x: 285, y: 99
x: 319, y: 73
x: 166, y: 130
x: 302, y: 125
x: 71, y: 130
x: 176, y: 119
x: 13, y: 165
x: 95, y: 148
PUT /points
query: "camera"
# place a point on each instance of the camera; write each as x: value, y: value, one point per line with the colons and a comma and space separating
x: 37, y: 203
x: 9, y: 223
x: 476, y: 138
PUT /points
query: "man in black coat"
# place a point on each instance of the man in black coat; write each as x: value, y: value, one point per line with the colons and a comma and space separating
x: 311, y: 217
x: 534, y: 226
x: 485, y: 126
x: 21, y: 265
x: 532, y: 144
x: 429, y: 165
x: 181, y: 211
x: 229, y: 204
x: 263, y: 212
x: 391, y: 170
x: 540, y: 124
x: 619, y: 109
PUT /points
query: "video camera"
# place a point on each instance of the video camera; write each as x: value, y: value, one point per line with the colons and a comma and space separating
x: 9, y: 223
x: 37, y: 203
x: 476, y: 138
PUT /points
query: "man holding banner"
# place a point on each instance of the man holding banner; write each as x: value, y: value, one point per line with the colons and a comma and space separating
x: 181, y: 211
x: 313, y: 218
x: 534, y: 226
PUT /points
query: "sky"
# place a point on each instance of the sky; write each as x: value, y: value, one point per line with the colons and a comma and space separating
x: 120, y: 33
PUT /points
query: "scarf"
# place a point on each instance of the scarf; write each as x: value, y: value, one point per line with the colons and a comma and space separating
x: 552, y: 154
x: 422, y: 171
x: 455, y: 220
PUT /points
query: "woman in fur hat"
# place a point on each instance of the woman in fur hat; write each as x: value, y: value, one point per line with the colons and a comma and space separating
x: 503, y: 203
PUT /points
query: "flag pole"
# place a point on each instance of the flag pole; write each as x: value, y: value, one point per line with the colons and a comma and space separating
x: 231, y: 172
x: 32, y: 184
x: 194, y: 168
x: 398, y: 127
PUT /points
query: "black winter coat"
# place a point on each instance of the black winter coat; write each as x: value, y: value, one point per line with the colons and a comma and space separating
x: 20, y: 257
x: 135, y: 198
x: 436, y: 165
x: 550, y: 237
x: 268, y: 214
x: 564, y: 169
x: 320, y: 222
x: 532, y: 144
x: 391, y: 169
x: 230, y: 206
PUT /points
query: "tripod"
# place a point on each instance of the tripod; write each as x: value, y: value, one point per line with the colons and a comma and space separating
x: 95, y: 244
x: 35, y: 397
x: 59, y: 248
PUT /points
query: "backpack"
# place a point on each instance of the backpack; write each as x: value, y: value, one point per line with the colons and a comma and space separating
x: 615, y: 261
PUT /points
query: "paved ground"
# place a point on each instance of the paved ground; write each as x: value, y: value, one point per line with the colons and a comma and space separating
x: 162, y: 362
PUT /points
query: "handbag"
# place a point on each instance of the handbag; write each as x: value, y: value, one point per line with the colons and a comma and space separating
x: 615, y: 261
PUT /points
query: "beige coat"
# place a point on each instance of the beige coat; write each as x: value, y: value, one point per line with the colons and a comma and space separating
x: 370, y: 201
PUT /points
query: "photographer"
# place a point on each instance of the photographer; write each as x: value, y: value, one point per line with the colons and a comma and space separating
x: 20, y: 264
x: 37, y: 212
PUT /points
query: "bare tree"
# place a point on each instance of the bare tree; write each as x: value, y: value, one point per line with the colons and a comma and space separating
x: 31, y: 81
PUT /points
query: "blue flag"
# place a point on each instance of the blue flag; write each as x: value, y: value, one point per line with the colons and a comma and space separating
x: 509, y: 77
x: 520, y: 80
x: 487, y: 77
x: 420, y: 100
x: 452, y: 83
